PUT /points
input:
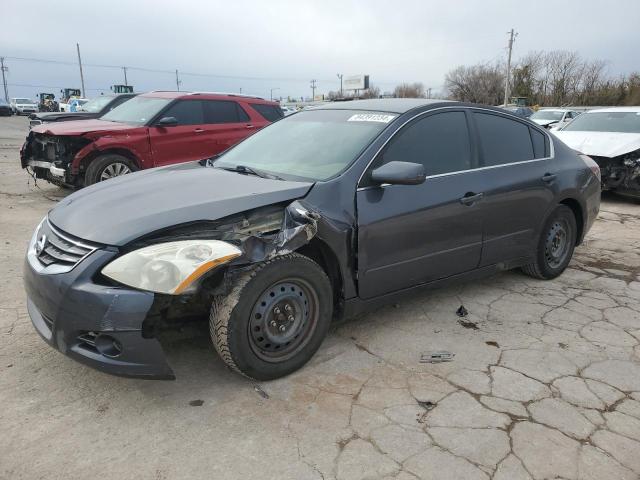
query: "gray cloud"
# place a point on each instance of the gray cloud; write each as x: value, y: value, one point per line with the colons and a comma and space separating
x: 287, y: 43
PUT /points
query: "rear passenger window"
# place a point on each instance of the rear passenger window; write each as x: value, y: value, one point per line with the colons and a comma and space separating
x: 223, y: 111
x: 539, y: 147
x: 186, y: 112
x: 269, y: 112
x: 503, y: 140
x: 440, y: 142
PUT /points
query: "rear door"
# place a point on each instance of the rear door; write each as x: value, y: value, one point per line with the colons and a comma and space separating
x: 182, y: 142
x: 412, y: 234
x: 518, y: 179
x: 225, y: 124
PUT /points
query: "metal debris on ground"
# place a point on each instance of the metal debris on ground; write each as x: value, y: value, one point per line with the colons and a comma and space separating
x: 261, y: 392
x: 462, y: 312
x: 436, y: 357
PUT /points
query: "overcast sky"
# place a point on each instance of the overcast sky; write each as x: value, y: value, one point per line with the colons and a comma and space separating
x: 259, y: 45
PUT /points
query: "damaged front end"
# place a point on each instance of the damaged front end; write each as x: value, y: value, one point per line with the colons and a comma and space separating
x: 259, y: 234
x: 621, y: 174
x: 49, y: 157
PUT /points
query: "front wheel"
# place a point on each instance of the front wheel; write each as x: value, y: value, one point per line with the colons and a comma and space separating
x: 274, y: 319
x: 556, y: 245
x: 107, y: 166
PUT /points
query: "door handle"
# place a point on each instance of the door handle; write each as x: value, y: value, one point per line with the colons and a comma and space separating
x: 249, y: 127
x: 470, y: 198
x: 199, y: 130
x: 549, y: 177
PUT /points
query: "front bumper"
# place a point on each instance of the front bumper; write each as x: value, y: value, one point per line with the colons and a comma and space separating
x: 98, y: 325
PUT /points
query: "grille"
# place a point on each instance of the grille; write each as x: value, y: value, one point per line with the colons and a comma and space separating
x: 53, y: 247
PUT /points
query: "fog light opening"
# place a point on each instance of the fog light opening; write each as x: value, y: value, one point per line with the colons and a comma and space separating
x: 108, y: 346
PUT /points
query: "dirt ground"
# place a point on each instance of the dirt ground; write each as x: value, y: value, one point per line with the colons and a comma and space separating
x: 545, y: 382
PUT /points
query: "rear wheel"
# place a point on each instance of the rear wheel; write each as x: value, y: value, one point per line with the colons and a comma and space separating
x: 108, y: 166
x: 556, y: 245
x: 274, y: 319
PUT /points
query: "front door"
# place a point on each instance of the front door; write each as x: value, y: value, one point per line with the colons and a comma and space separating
x: 182, y: 142
x: 412, y: 234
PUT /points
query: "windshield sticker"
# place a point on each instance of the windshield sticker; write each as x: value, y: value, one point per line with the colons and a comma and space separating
x: 371, y: 117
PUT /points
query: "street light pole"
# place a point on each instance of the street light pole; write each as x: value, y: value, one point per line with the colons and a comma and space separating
x: 340, y: 75
x: 271, y: 92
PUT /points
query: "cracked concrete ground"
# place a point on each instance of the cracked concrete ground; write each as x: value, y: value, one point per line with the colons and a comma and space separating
x: 547, y: 386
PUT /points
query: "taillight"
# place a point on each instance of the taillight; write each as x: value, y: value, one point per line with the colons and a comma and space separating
x: 593, y: 166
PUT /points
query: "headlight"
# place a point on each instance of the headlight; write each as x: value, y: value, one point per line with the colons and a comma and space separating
x: 171, y: 267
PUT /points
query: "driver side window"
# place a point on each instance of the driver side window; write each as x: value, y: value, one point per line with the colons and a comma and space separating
x: 440, y: 142
x: 186, y: 112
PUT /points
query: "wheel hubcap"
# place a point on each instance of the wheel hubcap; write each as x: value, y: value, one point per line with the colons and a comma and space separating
x: 557, y: 244
x: 114, y: 170
x: 282, y: 320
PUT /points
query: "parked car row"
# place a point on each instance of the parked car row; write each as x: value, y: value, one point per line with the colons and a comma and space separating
x: 143, y: 131
x: 322, y: 215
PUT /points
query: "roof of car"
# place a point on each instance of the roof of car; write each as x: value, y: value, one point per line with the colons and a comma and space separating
x: 392, y: 105
x: 205, y: 95
x: 615, y: 110
x: 555, y: 109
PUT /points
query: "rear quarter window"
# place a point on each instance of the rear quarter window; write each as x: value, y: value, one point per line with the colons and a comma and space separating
x: 269, y: 112
x: 539, y: 143
x: 502, y: 139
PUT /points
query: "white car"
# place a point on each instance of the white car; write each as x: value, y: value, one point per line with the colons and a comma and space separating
x: 287, y: 110
x: 611, y: 136
x: 553, y: 118
x: 23, y: 106
x: 73, y: 104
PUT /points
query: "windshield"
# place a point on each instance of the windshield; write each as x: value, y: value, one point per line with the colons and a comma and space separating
x: 137, y: 111
x: 621, y: 122
x: 547, y: 115
x: 95, y: 104
x: 310, y: 145
x: 22, y: 100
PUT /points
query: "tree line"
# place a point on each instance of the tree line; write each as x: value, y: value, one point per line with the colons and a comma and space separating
x: 555, y: 78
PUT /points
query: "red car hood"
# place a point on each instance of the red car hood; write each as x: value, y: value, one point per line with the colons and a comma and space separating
x: 81, y: 127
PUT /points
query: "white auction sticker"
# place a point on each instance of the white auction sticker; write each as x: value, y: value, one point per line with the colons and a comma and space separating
x: 371, y: 117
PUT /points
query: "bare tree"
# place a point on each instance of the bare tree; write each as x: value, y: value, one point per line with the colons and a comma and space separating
x: 478, y: 84
x: 371, y: 92
x: 409, y: 90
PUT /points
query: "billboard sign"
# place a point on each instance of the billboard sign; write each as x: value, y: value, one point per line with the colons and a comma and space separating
x: 356, y: 82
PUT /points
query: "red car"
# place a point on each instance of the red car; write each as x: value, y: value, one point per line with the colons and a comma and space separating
x: 150, y: 130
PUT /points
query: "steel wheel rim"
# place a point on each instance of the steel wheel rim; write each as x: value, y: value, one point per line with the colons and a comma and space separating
x: 115, y: 169
x: 556, y: 247
x: 283, y: 320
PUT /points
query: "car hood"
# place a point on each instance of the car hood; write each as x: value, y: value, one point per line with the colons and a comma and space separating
x: 120, y: 210
x: 600, y: 144
x: 82, y: 127
x: 56, y: 116
x: 543, y: 122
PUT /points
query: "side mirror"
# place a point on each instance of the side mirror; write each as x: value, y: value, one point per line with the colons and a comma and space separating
x: 399, y: 173
x: 167, y: 122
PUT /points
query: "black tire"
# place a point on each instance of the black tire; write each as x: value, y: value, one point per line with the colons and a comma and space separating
x: 98, y: 166
x: 235, y: 326
x: 560, y: 229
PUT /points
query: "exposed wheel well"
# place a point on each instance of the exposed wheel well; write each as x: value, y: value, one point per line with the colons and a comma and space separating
x: 575, y: 207
x: 320, y: 253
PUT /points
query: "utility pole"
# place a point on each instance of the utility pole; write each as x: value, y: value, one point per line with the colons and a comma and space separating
x: 124, y: 69
x: 81, y: 74
x: 340, y: 75
x: 4, y: 80
x: 271, y: 92
x: 512, y: 37
x: 178, y: 82
x: 313, y: 89
x: 429, y: 92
